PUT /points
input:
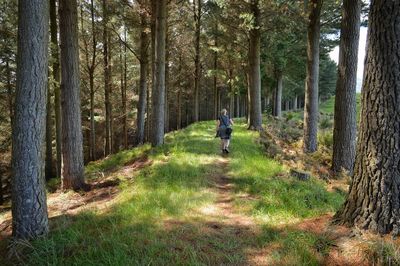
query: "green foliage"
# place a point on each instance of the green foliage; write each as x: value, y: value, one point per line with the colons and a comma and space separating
x: 327, y: 79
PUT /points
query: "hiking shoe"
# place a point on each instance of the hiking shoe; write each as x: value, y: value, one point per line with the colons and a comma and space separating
x: 226, y: 150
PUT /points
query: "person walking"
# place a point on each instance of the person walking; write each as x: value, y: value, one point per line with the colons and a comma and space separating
x: 224, y: 130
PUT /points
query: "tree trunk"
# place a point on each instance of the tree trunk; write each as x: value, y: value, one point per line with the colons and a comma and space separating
x: 254, y: 68
x: 295, y: 103
x: 49, y: 138
x: 10, y: 94
x: 373, y: 200
x: 29, y: 207
x: 107, y: 80
x: 197, y: 21
x: 91, y: 70
x: 237, y: 109
x: 166, y: 111
x: 56, y: 79
x: 311, y: 99
x: 72, y: 139
x: 215, y: 88
x: 158, y: 99
x: 144, y: 62
x: 345, y: 126
x: 278, y: 94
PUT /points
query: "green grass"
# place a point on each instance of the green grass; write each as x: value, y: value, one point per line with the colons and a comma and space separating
x: 156, y: 219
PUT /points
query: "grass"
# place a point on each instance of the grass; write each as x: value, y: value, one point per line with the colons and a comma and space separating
x: 157, y: 220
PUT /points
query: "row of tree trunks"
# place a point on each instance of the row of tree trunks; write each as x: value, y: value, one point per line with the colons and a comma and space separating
x: 311, y: 92
x: 345, y: 127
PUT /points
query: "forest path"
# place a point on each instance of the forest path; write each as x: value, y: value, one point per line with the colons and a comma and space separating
x: 185, y: 203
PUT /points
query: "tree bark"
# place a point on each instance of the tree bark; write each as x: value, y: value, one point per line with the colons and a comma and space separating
x: 72, y: 139
x: 373, y: 201
x: 345, y: 126
x: 254, y: 70
x: 197, y: 20
x: 56, y: 79
x: 144, y: 62
x: 311, y: 99
x: 29, y: 207
x: 158, y: 99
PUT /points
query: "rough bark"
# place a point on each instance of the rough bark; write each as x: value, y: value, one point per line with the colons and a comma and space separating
x: 197, y: 20
x: 56, y: 84
x: 72, y: 139
x: 29, y: 208
x: 345, y: 126
x: 254, y: 70
x: 373, y: 201
x: 311, y: 99
x: 158, y: 99
x: 144, y: 64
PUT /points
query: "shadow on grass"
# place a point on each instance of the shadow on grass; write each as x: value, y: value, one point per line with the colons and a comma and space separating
x: 112, y: 239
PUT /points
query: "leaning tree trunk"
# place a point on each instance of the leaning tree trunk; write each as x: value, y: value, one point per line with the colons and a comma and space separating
x: 373, y: 201
x: 158, y: 99
x: 29, y: 208
x: 56, y: 79
x: 144, y: 64
x: 345, y: 126
x: 311, y: 98
x: 254, y: 70
x: 197, y: 20
x: 72, y: 140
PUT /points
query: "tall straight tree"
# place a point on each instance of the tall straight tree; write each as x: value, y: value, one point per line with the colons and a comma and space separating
x: 158, y: 95
x: 255, y: 119
x: 345, y: 126
x: 29, y: 208
x: 144, y: 64
x: 373, y: 201
x: 197, y: 4
x: 311, y: 94
x: 107, y: 80
x: 56, y: 79
x: 72, y: 140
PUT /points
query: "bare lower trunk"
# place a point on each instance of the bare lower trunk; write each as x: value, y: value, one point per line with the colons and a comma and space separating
x: 56, y: 84
x: 158, y: 99
x: 254, y: 70
x: 278, y: 94
x: 107, y: 80
x: 72, y: 139
x: 344, y: 133
x: 311, y: 99
x: 197, y: 19
x: 29, y: 208
x: 141, y: 116
x: 49, y: 139
x: 373, y: 201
